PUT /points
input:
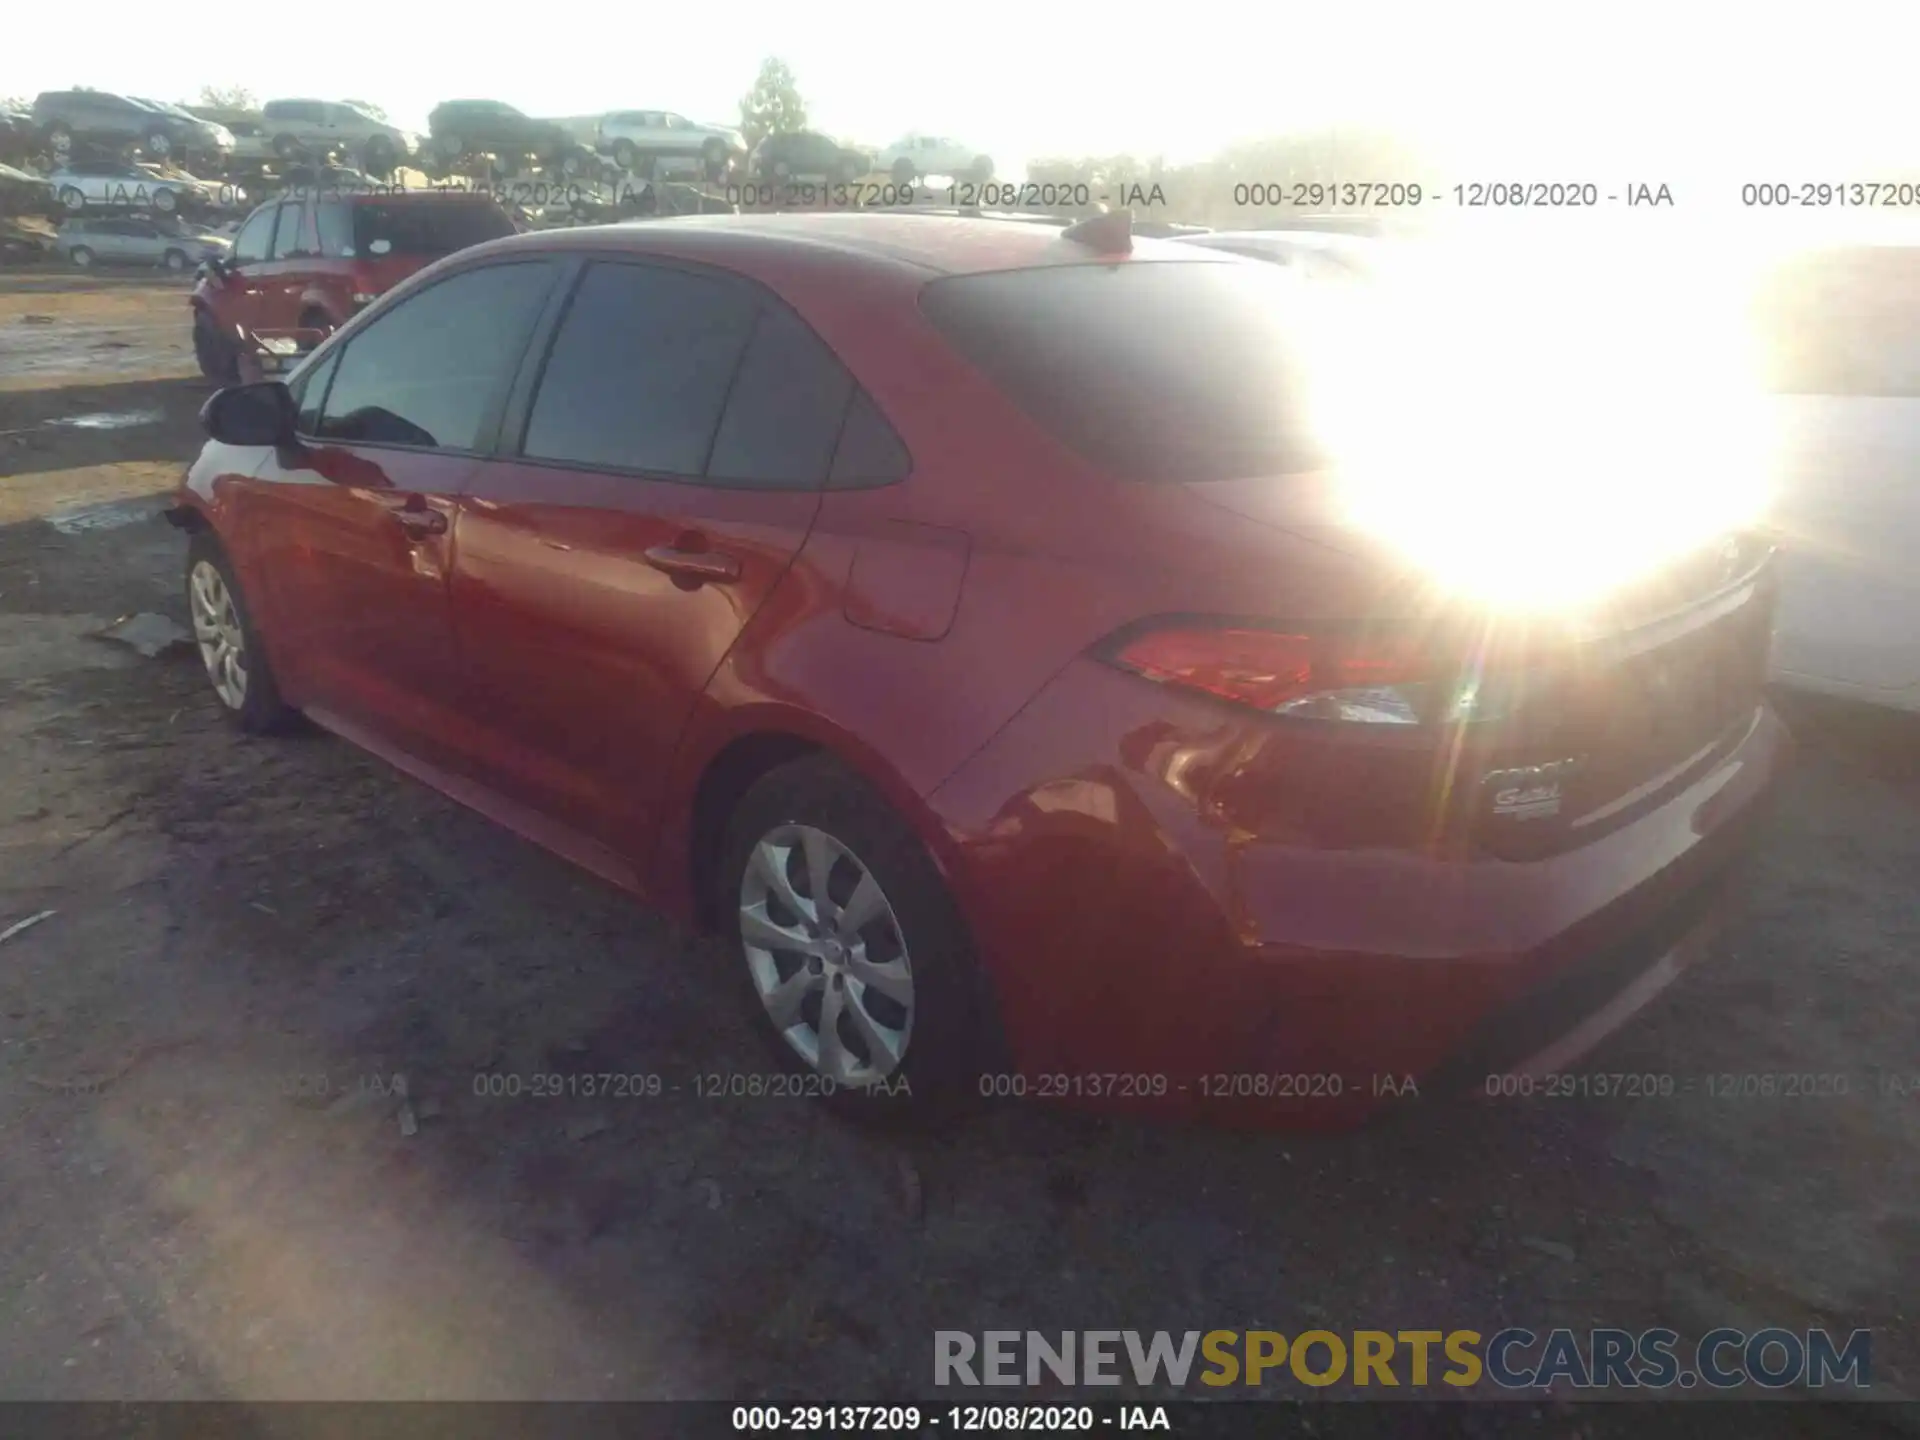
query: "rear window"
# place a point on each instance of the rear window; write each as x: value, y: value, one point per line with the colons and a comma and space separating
x: 1155, y: 371
x: 431, y: 228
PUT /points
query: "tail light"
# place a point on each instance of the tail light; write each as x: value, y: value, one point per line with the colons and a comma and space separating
x: 1363, y: 677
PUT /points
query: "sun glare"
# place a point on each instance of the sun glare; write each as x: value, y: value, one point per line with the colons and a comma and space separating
x: 1536, y: 426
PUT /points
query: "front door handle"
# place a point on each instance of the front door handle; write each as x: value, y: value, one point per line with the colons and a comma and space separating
x: 693, y: 565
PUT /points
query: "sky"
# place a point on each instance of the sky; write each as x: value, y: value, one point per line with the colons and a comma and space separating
x: 1629, y: 84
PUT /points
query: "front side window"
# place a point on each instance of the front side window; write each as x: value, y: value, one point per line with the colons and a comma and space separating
x: 639, y: 371
x: 429, y: 372
x: 256, y: 236
x: 286, y: 237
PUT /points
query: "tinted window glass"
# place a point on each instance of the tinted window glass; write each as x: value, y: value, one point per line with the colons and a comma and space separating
x: 255, y: 236
x: 428, y: 371
x: 1159, y: 372
x: 870, y: 452
x: 286, y: 239
x: 310, y: 392
x: 784, y: 412
x: 336, y: 228
x: 426, y: 227
x: 640, y: 370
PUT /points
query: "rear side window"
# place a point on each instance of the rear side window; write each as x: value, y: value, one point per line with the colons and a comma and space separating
x: 1154, y: 371
x: 428, y: 372
x: 870, y: 452
x: 640, y: 370
x: 336, y: 228
x: 425, y: 227
x: 785, y: 410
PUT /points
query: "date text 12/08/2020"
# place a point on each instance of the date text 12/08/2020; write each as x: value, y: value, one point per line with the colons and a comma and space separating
x: 1471, y: 195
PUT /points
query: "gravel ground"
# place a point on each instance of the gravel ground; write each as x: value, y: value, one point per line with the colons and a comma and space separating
x: 206, y: 1189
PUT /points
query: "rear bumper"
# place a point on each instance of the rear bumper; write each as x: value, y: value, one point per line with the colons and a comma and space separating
x: 1130, y: 930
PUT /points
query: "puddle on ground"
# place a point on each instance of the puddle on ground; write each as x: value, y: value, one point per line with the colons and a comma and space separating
x: 110, y: 419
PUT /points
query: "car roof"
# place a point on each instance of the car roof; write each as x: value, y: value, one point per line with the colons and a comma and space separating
x: 932, y: 244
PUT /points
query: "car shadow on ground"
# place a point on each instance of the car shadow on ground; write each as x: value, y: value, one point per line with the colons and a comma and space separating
x: 254, y: 937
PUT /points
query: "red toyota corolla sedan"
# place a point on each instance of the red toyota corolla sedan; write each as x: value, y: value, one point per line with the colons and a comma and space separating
x: 957, y: 615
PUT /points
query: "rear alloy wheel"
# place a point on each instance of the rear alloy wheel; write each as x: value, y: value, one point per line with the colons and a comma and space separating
x: 165, y: 201
x: 623, y: 154
x: 242, y: 680
x: 856, y: 956
x: 73, y: 198
x: 174, y: 260
x: 81, y: 256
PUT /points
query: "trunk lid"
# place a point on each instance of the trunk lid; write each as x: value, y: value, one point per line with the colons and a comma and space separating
x: 1594, y: 715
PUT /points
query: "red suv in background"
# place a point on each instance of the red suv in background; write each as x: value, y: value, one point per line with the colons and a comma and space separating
x: 313, y: 257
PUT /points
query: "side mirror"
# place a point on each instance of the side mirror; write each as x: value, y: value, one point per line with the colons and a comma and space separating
x: 259, y: 414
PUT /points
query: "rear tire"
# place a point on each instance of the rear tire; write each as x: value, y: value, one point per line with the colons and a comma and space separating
x: 230, y: 648
x: 81, y: 256
x: 905, y: 977
x: 624, y: 154
x: 73, y: 198
x: 174, y: 260
x: 165, y: 201
x: 214, y: 352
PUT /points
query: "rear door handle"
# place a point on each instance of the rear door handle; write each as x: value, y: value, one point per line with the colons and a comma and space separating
x: 416, y: 517
x: 695, y: 565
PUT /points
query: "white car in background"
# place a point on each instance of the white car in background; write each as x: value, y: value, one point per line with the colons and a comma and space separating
x: 1843, y: 328
x: 115, y: 186
x: 643, y: 141
x: 913, y: 157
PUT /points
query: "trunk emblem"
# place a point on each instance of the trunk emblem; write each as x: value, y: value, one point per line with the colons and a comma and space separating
x: 1529, y: 792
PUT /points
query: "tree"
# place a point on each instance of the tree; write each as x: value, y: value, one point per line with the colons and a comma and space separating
x: 372, y: 109
x: 228, y: 97
x: 773, y: 106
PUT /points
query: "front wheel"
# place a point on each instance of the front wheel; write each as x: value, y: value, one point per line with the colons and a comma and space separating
x: 858, y: 963
x: 165, y: 201
x: 81, y: 256
x: 230, y: 650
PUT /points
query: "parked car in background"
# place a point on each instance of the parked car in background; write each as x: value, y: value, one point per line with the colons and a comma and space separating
x: 251, y: 143
x: 639, y: 140
x: 807, y: 155
x: 315, y: 257
x: 1324, y: 255
x: 139, y: 240
x: 913, y: 157
x: 315, y: 129
x: 102, y: 119
x: 872, y: 589
x: 1841, y: 327
x: 490, y: 127
x: 24, y: 193
x: 209, y: 143
x: 82, y: 186
x: 18, y: 138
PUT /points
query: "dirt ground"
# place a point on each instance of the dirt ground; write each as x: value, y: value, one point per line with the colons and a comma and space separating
x: 205, y: 1193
